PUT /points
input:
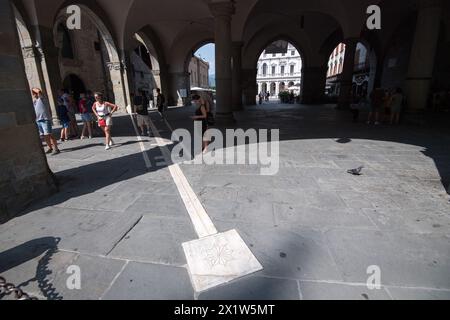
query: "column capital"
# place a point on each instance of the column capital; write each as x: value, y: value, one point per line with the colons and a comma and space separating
x: 116, y: 65
x: 222, y: 8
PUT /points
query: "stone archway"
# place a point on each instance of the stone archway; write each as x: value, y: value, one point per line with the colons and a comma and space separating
x: 74, y: 85
x: 105, y: 57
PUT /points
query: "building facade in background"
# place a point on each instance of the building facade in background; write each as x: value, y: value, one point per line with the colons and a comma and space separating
x: 279, y: 69
x: 361, y: 71
x: 199, y: 73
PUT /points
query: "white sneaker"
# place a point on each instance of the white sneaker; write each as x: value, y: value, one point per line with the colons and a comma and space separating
x: 111, y: 143
x: 107, y: 147
x: 82, y: 138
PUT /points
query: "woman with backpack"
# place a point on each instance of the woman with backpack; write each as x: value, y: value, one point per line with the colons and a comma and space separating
x: 103, y: 111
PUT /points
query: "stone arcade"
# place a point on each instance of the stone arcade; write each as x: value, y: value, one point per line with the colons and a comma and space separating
x: 36, y: 56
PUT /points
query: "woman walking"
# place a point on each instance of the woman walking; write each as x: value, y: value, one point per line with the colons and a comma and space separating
x: 103, y: 111
x: 201, y: 114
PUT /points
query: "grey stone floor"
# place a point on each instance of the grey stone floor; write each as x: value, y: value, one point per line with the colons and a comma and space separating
x: 314, y: 228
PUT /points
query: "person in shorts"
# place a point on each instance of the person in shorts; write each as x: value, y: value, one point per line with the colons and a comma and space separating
x: 63, y: 118
x: 44, y: 120
x: 103, y: 111
x: 376, y: 98
x: 86, y: 116
x: 141, y: 109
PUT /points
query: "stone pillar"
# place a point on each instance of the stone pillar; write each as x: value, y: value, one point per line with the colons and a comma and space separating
x: 237, y: 76
x: 249, y: 86
x: 179, y: 81
x: 313, y: 84
x: 33, y: 69
x: 421, y: 64
x: 346, y: 77
x: 118, y: 79
x: 49, y: 60
x: 24, y: 174
x: 222, y: 12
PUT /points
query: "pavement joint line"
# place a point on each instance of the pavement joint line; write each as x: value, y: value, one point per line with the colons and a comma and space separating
x: 299, y: 290
x: 360, y: 284
x: 125, y: 234
x: 114, y: 280
x: 148, y: 164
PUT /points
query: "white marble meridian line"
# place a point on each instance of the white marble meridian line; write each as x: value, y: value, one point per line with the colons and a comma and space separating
x: 203, y: 225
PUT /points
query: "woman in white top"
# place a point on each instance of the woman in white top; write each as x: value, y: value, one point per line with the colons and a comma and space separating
x: 103, y: 111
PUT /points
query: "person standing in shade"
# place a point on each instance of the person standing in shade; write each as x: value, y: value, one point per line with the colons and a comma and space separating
x: 103, y: 111
x: 396, y: 106
x: 86, y: 116
x: 376, y: 98
x: 141, y: 109
x: 160, y: 102
x: 63, y: 118
x: 44, y: 121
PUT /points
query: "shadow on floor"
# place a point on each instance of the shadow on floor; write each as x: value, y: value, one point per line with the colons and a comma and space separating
x: 45, y: 247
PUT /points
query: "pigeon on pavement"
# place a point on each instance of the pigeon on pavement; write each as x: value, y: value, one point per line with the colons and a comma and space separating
x: 356, y: 172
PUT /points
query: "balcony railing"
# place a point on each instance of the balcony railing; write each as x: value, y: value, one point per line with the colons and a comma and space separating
x: 280, y: 75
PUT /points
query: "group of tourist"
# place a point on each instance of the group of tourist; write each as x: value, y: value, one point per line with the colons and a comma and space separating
x: 95, y: 112
x: 385, y: 106
x: 264, y: 96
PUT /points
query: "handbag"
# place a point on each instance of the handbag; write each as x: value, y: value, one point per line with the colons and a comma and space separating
x: 102, y: 123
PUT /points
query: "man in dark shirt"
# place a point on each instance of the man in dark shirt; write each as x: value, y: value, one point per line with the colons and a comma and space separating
x: 141, y: 108
x: 160, y: 102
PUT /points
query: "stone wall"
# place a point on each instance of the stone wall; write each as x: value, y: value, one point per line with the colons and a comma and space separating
x: 88, y: 64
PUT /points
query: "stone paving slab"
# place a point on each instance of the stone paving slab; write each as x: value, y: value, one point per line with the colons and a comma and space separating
x: 157, y: 205
x: 331, y: 291
x: 141, y: 281
x: 418, y: 294
x: 405, y: 259
x: 299, y: 254
x: 417, y: 221
x: 94, y: 232
x: 255, y: 288
x: 298, y: 215
x: 156, y: 240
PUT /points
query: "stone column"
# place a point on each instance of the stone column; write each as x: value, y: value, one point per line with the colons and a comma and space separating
x: 33, y: 68
x: 421, y: 64
x: 24, y: 174
x: 249, y: 86
x: 222, y: 12
x: 237, y: 76
x: 178, y: 81
x: 346, y: 77
x: 118, y: 79
x: 49, y: 60
x: 313, y: 84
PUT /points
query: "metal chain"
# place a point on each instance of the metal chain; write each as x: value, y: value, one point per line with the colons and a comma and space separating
x: 8, y: 288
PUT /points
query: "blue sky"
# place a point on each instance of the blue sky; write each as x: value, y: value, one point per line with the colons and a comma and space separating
x: 207, y: 53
